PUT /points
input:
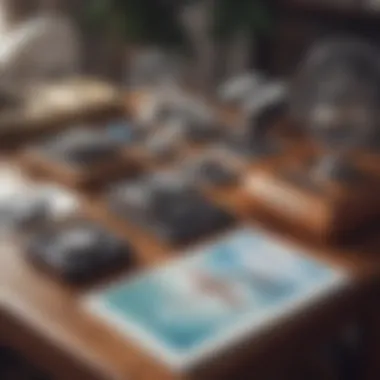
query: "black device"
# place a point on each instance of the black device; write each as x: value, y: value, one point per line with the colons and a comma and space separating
x: 81, y: 147
x: 213, y: 171
x: 77, y: 250
x: 173, y: 210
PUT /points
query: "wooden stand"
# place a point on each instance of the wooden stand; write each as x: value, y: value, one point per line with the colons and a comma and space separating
x: 325, y: 210
x: 78, y: 176
x: 51, y: 107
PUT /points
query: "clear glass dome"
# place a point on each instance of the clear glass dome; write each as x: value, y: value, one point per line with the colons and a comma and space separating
x: 337, y: 92
x: 336, y: 97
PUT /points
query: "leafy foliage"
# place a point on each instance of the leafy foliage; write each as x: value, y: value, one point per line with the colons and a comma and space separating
x: 234, y: 15
x: 156, y: 21
x: 138, y: 21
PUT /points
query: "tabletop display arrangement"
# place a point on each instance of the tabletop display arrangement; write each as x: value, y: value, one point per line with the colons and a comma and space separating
x: 177, y: 175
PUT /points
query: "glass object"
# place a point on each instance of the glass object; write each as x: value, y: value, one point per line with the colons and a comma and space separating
x: 336, y: 97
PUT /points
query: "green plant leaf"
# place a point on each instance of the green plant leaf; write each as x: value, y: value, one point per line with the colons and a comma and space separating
x: 156, y: 21
x: 99, y: 12
x: 231, y: 16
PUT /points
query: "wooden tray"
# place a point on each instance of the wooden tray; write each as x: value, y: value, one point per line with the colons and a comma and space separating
x: 78, y: 176
x: 16, y: 129
x: 326, y: 211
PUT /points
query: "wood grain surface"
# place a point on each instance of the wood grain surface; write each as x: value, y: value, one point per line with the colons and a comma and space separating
x: 44, y: 320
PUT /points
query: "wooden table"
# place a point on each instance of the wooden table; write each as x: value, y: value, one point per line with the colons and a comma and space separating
x: 43, y: 319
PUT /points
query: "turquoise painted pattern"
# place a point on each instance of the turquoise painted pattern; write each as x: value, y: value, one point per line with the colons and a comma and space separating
x: 197, y: 299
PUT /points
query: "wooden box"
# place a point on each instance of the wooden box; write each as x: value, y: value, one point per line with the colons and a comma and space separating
x: 325, y: 210
x: 78, y: 176
x: 50, y: 108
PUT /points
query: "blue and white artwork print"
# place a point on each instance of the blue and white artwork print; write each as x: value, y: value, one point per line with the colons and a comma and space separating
x: 215, y: 296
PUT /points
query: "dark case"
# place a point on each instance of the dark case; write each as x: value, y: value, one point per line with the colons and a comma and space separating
x: 176, y: 215
x: 77, y: 250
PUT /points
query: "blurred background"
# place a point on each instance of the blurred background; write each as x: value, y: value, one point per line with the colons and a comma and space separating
x: 206, y: 40
x: 198, y: 42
